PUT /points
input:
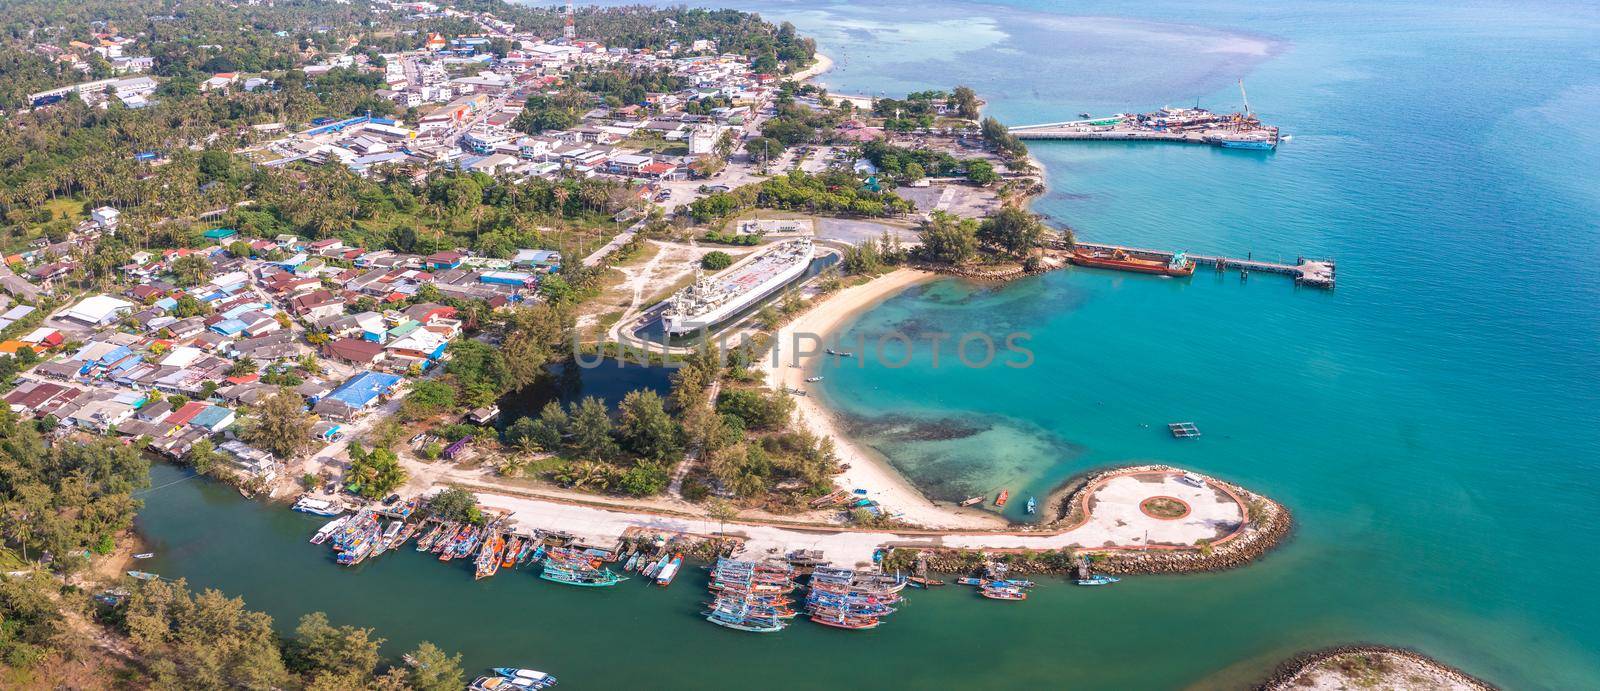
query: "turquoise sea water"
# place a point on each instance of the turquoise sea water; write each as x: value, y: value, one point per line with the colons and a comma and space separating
x: 1433, y: 422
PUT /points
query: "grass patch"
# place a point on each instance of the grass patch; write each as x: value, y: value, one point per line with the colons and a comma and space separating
x: 11, y: 561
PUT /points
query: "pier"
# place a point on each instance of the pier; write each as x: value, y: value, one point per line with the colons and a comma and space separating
x: 1184, y: 125
x: 1317, y: 273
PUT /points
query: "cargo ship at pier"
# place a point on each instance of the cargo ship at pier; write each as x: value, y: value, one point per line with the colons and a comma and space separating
x: 713, y: 299
x: 1117, y: 259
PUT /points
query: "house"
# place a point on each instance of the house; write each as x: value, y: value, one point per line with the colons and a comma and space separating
x: 354, y: 351
x: 45, y: 338
x: 105, y: 217
x: 356, y: 394
x: 220, y: 234
x: 420, y: 344
x: 213, y: 419
x: 250, y: 460
x: 442, y: 260
x: 429, y: 311
x: 316, y: 305
x: 30, y: 396
x: 98, y: 310
x: 540, y: 258
x: 183, y: 415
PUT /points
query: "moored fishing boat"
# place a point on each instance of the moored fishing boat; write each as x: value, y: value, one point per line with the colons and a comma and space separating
x: 318, y: 506
x: 143, y: 575
x: 994, y: 592
x: 667, y: 573
x: 1121, y: 260
x: 1033, y: 505
x: 328, y: 529
x: 489, y: 557
x: 1001, y: 499
x: 1097, y: 579
x: 425, y: 542
x: 632, y: 562
x: 543, y: 679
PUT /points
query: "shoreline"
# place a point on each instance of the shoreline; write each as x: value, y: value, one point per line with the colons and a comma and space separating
x: 867, y: 470
x: 821, y: 66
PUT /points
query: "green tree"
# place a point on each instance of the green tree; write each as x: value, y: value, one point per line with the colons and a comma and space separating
x: 279, y: 424
x: 948, y: 239
x: 1013, y: 230
x: 716, y: 260
x: 965, y: 102
x: 646, y: 429
x: 455, y: 504
x: 376, y: 472
x: 431, y: 669
x: 645, y: 479
x: 328, y: 653
x: 189, y: 270
x: 590, y: 427
x: 428, y: 399
x: 981, y: 172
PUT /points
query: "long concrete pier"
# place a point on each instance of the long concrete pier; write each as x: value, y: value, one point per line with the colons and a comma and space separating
x: 1317, y: 273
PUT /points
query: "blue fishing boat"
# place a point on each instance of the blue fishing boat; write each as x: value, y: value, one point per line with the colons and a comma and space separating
x: 1033, y: 505
x: 591, y: 578
x: 1097, y: 579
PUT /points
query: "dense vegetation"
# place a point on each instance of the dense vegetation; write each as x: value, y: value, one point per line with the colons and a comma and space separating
x: 830, y: 192
x: 62, y: 501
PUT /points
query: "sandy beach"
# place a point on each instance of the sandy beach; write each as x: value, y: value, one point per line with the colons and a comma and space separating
x: 867, y: 471
x: 823, y: 64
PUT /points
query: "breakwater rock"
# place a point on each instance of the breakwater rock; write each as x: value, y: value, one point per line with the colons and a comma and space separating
x: 1368, y: 666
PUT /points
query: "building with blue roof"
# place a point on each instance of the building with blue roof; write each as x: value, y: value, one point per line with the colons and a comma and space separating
x: 229, y: 327
x: 356, y: 394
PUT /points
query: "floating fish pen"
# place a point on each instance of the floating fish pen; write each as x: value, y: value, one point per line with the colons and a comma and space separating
x: 1183, y: 430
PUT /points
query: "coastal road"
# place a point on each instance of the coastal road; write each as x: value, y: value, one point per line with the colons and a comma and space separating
x: 1116, y: 521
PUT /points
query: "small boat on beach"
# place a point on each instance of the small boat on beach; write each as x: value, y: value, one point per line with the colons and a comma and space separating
x: 1097, y: 579
x: 144, y: 555
x: 144, y: 575
x: 1005, y: 496
x: 972, y: 501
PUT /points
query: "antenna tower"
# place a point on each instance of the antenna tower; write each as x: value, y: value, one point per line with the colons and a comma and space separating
x: 569, y: 31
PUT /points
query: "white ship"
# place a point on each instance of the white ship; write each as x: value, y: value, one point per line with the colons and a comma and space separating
x: 715, y: 298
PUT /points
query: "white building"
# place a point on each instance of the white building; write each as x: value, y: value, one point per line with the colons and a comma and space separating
x: 98, y: 310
